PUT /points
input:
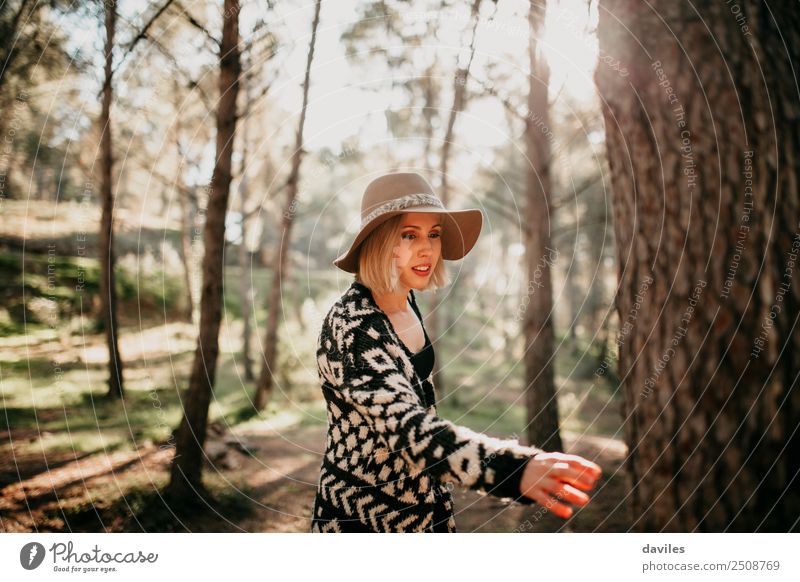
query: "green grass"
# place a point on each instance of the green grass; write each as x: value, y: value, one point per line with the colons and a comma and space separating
x: 39, y: 290
x: 73, y: 413
x: 485, y: 386
x: 490, y: 416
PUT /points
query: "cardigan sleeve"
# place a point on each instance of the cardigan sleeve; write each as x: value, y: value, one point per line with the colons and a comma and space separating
x: 376, y: 388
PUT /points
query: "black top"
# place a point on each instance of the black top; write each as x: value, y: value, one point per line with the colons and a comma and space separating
x: 423, y: 360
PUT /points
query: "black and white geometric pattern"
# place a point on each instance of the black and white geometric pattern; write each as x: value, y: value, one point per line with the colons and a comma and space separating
x: 390, y: 461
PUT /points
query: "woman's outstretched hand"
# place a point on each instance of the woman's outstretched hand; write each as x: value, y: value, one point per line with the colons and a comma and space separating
x: 549, y: 478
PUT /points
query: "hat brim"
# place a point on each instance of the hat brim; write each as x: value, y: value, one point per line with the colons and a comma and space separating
x: 460, y: 232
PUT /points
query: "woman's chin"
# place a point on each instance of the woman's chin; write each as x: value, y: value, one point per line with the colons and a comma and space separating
x: 416, y: 282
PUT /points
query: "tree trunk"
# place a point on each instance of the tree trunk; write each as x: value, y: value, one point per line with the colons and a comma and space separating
x: 703, y: 135
x: 430, y: 90
x: 438, y: 315
x: 9, y: 52
x: 246, y: 291
x: 108, y: 289
x: 246, y: 276
x: 186, y: 222
x: 266, y: 379
x: 186, y: 250
x: 540, y: 393
x: 187, y: 463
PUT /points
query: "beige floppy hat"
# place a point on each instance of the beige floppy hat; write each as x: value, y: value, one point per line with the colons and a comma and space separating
x: 400, y: 192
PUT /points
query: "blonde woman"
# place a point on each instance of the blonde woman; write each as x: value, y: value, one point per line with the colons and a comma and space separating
x: 390, y: 462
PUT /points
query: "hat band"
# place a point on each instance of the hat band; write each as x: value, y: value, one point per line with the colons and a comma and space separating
x: 400, y: 203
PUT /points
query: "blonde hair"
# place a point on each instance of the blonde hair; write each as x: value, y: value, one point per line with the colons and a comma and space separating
x: 375, y: 260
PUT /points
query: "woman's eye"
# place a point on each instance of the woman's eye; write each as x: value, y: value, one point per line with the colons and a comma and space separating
x: 411, y: 235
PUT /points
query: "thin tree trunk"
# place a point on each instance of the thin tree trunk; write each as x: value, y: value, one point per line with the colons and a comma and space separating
x: 8, y: 50
x: 246, y: 292
x: 186, y: 251
x: 438, y: 315
x: 246, y: 276
x: 186, y: 241
x: 540, y: 392
x: 430, y: 92
x: 266, y: 379
x: 186, y: 470
x: 574, y: 294
x: 108, y: 289
x: 703, y: 139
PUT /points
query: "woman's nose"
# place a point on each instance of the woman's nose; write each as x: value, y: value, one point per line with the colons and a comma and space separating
x: 426, y: 246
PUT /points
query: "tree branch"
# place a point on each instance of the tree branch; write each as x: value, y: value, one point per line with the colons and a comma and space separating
x: 142, y: 35
x: 510, y: 107
x: 581, y: 189
x: 191, y: 83
x: 191, y: 20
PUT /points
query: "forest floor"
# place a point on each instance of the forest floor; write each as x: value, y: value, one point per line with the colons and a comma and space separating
x: 71, y: 460
x: 270, y: 490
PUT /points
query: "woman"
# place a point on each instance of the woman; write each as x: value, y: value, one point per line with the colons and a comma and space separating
x: 390, y: 461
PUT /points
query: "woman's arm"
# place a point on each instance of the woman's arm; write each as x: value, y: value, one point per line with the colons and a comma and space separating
x: 382, y: 396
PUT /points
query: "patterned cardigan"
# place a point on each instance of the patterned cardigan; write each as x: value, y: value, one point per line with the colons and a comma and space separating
x: 390, y: 461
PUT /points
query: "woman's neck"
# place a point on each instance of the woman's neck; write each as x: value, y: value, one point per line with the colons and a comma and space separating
x: 392, y: 302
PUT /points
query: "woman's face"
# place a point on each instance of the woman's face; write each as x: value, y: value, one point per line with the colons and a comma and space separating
x: 419, y: 248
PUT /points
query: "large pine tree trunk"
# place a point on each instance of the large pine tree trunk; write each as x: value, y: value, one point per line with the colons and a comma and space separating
x: 703, y: 132
x: 542, y: 406
x: 266, y: 379
x: 186, y: 468
x: 108, y: 289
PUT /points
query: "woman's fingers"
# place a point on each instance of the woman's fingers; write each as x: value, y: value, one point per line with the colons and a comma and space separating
x: 550, y: 503
x: 571, y: 495
x: 564, y: 461
x: 577, y: 478
x: 591, y: 469
x: 550, y: 493
x: 561, y: 510
x: 541, y: 486
x: 561, y: 482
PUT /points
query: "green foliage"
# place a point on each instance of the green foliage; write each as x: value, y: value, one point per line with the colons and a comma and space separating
x: 50, y: 289
x: 146, y: 283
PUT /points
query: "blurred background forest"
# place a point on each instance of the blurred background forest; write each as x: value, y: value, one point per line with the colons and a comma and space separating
x: 177, y: 178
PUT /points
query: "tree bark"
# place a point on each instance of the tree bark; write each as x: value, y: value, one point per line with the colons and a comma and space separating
x: 246, y: 277
x: 8, y: 52
x: 186, y: 217
x: 266, y: 379
x: 186, y: 470
x: 703, y: 134
x: 430, y: 90
x: 108, y: 289
x: 540, y: 393
x: 438, y: 315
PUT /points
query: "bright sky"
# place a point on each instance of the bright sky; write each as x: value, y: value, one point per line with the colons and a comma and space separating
x: 347, y: 99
